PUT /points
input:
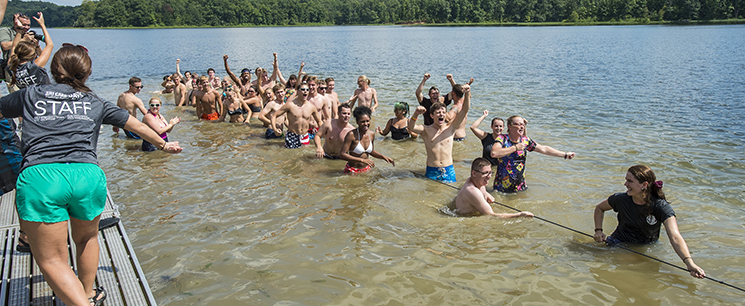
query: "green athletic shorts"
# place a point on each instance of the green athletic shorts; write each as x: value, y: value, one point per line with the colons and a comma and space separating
x: 52, y: 193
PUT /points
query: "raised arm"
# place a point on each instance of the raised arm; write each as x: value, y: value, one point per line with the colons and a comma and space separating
x: 178, y: 69
x: 419, y: 89
x: 475, y: 126
x: 275, y: 68
x: 41, y: 61
x: 154, y: 124
x: 681, y: 248
x: 411, y: 125
x: 463, y: 112
x: 232, y: 76
x: 450, y: 79
x: 300, y: 72
x: 553, y: 152
x: 3, y: 6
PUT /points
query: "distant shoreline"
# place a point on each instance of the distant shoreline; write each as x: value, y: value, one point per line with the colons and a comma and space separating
x: 422, y: 24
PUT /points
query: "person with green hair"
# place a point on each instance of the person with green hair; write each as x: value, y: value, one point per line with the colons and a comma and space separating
x: 397, y: 126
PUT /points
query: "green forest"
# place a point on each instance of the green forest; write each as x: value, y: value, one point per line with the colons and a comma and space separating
x: 195, y: 13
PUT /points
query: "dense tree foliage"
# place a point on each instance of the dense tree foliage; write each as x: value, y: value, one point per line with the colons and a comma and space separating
x: 142, y: 13
x: 54, y: 15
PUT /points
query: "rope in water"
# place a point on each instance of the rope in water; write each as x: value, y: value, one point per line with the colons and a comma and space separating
x: 588, y: 235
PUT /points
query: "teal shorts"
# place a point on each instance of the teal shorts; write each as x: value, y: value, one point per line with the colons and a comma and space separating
x: 52, y: 193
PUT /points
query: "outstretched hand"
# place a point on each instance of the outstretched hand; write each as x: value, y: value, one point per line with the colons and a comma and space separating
x: 225, y: 57
x: 486, y: 112
x: 172, y: 147
x: 40, y: 19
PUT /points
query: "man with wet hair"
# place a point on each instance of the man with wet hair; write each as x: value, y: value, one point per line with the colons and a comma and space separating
x: 473, y: 199
x: 127, y: 100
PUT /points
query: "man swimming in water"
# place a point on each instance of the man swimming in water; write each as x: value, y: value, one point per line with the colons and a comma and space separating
x: 127, y: 100
x: 334, y: 131
x: 473, y: 199
x: 438, y: 137
x: 299, y: 113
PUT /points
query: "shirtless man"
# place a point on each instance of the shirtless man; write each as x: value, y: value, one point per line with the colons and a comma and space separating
x: 438, y: 138
x: 213, y: 79
x: 299, y: 113
x: 366, y: 95
x: 334, y: 131
x: 318, y: 100
x: 473, y: 199
x: 270, y: 108
x: 457, y: 94
x: 332, y: 97
x: 179, y: 90
x: 208, y: 100
x: 434, y: 96
x: 244, y: 81
x: 127, y: 100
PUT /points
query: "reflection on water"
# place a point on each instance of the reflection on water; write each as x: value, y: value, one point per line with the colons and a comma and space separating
x: 238, y: 220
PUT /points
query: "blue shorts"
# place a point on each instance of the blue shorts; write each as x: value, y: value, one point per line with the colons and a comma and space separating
x: 131, y: 135
x: 459, y: 139
x: 269, y: 134
x: 611, y: 241
x: 446, y: 174
x: 52, y: 193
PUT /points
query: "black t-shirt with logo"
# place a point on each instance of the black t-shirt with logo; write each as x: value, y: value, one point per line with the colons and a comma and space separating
x: 635, y: 223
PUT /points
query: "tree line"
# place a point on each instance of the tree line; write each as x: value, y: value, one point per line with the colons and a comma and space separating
x: 145, y: 13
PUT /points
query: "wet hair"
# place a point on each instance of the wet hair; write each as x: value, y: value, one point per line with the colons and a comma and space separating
x: 134, y: 80
x: 210, y: 69
x: 479, y: 163
x: 185, y: 72
x: 343, y: 105
x: 437, y: 105
x: 25, y: 51
x: 644, y: 174
x: 360, y: 111
x: 71, y: 65
x: 364, y: 78
x: 495, y: 119
x: 329, y: 79
x: 402, y: 106
x: 458, y: 90
x: 435, y: 88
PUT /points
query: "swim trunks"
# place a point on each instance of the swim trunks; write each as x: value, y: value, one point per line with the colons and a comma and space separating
x: 327, y: 156
x: 210, y: 117
x: 149, y: 147
x: 294, y: 141
x: 312, y: 132
x: 53, y: 193
x: 459, y: 139
x: 353, y: 170
x: 446, y: 174
x: 131, y: 135
x: 269, y: 134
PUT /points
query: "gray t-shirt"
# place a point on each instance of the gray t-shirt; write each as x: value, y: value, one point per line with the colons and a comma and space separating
x: 60, y: 124
x: 7, y: 34
x: 30, y: 74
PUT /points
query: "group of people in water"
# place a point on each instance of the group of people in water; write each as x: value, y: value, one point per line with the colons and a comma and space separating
x: 61, y: 124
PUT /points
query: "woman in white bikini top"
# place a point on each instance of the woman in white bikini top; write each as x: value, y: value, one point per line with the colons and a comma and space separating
x: 358, y: 159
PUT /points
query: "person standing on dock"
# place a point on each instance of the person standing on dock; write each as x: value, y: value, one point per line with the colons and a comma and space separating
x: 60, y: 181
x: 473, y: 199
x: 128, y: 101
x: 512, y: 150
x: 438, y: 137
x: 641, y: 211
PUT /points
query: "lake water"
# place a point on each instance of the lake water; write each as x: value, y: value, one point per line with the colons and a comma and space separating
x: 239, y: 220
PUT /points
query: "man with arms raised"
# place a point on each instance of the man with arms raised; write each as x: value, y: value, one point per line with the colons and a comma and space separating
x: 434, y: 96
x: 438, y: 138
x: 457, y: 94
x: 332, y: 97
x: 208, y: 100
x: 473, y: 199
x: 299, y: 113
x: 127, y: 100
x: 334, y: 131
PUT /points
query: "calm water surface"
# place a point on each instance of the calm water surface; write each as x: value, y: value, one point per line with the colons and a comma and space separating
x: 238, y: 220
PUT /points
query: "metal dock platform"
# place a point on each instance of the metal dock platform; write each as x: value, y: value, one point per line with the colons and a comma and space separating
x: 118, y: 269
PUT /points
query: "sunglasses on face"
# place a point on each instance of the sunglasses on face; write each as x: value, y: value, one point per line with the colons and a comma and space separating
x: 139, y: 87
x: 154, y: 104
x: 323, y: 88
x: 484, y: 173
x: 304, y: 89
x: 79, y: 46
